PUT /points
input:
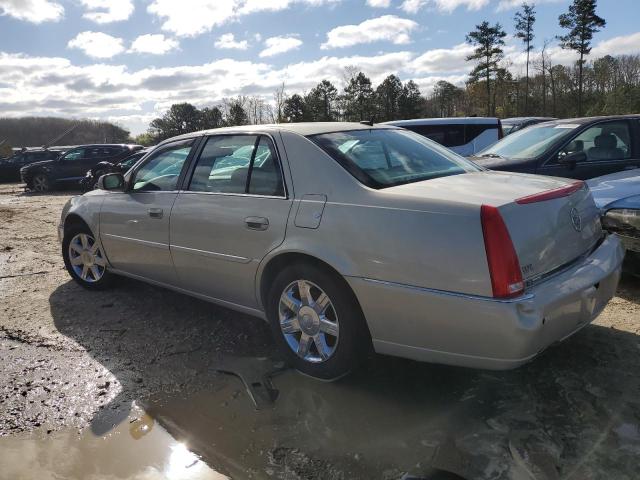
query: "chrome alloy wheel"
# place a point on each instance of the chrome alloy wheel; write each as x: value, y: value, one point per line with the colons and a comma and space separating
x: 40, y: 183
x: 86, y: 258
x: 308, y: 321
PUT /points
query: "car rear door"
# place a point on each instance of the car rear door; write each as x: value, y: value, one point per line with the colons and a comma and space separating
x: 233, y: 211
x: 134, y: 225
x: 609, y: 147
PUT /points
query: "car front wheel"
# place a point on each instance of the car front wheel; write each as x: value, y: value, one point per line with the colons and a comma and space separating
x: 317, y: 322
x: 41, y: 183
x: 84, y: 259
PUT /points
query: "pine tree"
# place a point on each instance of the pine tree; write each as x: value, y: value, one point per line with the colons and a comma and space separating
x: 321, y: 102
x: 294, y: 109
x: 525, y: 20
x: 488, y: 41
x: 358, y: 95
x: 582, y: 22
x: 410, y: 102
x: 387, y: 97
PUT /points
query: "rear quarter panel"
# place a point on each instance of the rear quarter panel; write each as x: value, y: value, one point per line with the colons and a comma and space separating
x: 395, y: 238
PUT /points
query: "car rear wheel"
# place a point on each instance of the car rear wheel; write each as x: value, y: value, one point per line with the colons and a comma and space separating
x: 317, y: 322
x: 84, y: 259
x: 41, y: 183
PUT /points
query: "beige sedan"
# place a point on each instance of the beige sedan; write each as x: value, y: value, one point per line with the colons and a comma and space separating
x: 349, y: 238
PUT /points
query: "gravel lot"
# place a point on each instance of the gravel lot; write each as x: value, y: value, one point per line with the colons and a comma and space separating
x: 82, y: 362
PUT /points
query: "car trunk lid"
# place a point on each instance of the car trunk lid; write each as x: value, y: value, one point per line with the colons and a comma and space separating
x: 548, y: 230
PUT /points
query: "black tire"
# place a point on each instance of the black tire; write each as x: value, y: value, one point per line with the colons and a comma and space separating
x: 40, y: 183
x: 106, y: 278
x: 354, y: 341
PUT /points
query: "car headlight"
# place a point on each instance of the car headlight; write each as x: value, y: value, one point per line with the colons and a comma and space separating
x: 622, y: 220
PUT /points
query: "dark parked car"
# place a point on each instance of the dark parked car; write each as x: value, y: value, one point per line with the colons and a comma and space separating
x: 512, y: 125
x: 122, y: 166
x: 10, y: 167
x: 580, y: 148
x: 70, y: 168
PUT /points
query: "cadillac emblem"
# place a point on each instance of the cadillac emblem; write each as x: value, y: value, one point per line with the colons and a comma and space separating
x: 576, y: 220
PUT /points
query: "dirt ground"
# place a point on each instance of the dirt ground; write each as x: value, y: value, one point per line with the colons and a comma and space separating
x: 135, y: 382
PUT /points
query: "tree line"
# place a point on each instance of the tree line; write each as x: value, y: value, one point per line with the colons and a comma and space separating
x: 603, y: 86
x: 40, y: 131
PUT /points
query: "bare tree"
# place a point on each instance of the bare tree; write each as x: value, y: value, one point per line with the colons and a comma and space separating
x: 279, y: 97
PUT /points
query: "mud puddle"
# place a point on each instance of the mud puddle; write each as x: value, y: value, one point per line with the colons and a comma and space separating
x: 137, y: 448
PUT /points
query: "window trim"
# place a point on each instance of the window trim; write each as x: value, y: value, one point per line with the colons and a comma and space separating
x: 153, y: 154
x: 184, y: 187
x: 552, y: 161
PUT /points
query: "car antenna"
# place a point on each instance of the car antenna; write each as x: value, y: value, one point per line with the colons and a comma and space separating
x: 367, y: 122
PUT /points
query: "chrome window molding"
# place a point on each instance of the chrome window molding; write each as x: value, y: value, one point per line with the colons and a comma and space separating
x: 205, y: 138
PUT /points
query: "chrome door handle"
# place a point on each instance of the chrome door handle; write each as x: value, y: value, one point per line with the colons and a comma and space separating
x: 257, y: 223
x: 155, y: 212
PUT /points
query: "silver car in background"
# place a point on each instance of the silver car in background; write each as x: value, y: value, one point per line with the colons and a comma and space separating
x: 347, y: 237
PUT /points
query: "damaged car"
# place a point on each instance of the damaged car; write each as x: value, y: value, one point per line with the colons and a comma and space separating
x: 348, y: 238
x: 618, y: 197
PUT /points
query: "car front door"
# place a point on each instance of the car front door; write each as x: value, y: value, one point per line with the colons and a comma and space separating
x: 134, y: 224
x: 232, y: 213
x: 73, y: 165
x: 607, y: 148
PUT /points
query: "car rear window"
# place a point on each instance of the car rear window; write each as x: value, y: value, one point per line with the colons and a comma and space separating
x: 381, y: 158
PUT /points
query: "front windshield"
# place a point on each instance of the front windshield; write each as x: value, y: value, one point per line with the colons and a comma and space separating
x: 529, y: 142
x: 381, y: 158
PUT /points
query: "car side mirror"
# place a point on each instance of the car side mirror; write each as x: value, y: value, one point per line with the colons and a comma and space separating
x: 573, y: 158
x: 111, y: 182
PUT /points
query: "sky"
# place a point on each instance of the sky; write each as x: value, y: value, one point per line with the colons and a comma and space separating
x: 127, y: 61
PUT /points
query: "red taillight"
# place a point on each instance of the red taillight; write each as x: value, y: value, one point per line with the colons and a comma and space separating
x: 551, y: 194
x: 504, y: 267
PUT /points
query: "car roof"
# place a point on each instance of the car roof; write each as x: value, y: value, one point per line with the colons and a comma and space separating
x: 446, y: 121
x: 526, y: 119
x: 123, y: 145
x: 303, y: 128
x: 585, y: 120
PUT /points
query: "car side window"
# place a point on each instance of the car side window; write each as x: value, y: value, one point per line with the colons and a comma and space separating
x: 266, y: 175
x: 602, y: 142
x: 473, y: 131
x: 76, y: 154
x: 447, y: 135
x: 162, y: 170
x: 238, y: 164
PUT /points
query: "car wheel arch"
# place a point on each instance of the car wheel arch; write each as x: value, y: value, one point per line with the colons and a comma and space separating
x: 72, y: 220
x: 277, y: 262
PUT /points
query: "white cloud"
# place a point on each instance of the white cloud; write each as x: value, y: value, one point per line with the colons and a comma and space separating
x: 56, y: 86
x: 201, y: 16
x: 280, y: 44
x: 97, y: 44
x: 622, y: 45
x: 387, y: 27
x: 510, y: 4
x: 107, y: 11
x: 228, y: 40
x: 35, y: 11
x: 448, y: 6
x: 379, y: 3
x: 441, y: 60
x: 156, y: 44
